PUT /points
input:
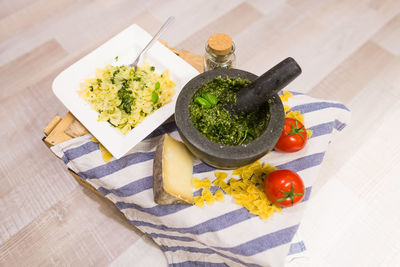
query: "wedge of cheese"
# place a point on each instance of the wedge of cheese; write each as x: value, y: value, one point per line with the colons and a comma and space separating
x: 172, y: 173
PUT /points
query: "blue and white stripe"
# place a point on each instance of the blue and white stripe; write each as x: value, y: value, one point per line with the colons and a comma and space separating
x: 223, y: 234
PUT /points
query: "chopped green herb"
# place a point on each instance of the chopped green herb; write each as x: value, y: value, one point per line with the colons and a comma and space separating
x: 126, y: 100
x: 113, y: 77
x: 152, y: 68
x: 91, y: 88
x: 154, y: 97
x: 125, y: 83
x: 116, y: 58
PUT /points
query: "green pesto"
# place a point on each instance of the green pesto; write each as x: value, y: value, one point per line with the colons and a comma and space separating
x: 216, y: 123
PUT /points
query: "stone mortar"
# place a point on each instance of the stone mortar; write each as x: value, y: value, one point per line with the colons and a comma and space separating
x: 223, y: 156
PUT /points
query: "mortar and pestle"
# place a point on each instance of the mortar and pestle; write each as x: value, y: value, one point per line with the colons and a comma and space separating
x: 261, y: 91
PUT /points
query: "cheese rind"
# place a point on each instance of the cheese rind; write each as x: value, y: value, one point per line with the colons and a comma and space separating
x: 172, y: 172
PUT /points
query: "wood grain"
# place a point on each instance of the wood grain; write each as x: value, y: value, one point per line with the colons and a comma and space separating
x: 30, y: 14
x: 368, y: 61
x: 32, y: 65
x: 236, y: 22
x: 59, y: 134
x: 52, y: 124
x: 348, y: 50
x: 388, y: 36
x: 55, y: 238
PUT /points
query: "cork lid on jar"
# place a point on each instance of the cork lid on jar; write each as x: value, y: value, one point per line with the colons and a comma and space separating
x: 220, y: 44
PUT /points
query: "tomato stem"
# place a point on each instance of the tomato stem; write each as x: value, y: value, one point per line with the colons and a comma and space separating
x: 296, y: 130
x: 289, y: 194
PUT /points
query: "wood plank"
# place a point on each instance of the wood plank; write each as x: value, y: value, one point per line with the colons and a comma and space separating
x: 238, y: 19
x: 195, y: 60
x: 31, y: 66
x: 377, y: 100
x: 56, y: 236
x: 79, y: 28
x: 352, y: 75
x: 191, y: 18
x: 388, y: 36
x: 94, y: 30
x: 76, y: 129
x: 31, y: 14
x: 320, y: 41
x: 32, y: 178
x: 52, y: 124
x: 10, y: 7
x: 58, y: 134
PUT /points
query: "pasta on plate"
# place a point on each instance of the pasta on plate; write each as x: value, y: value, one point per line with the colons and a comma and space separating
x: 124, y: 97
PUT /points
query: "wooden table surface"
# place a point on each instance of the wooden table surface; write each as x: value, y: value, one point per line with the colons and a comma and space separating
x: 349, y: 51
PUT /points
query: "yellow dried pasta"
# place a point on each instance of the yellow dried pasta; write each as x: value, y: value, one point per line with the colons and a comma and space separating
x: 205, y: 183
x: 219, y: 195
x: 220, y: 175
x: 285, y: 96
x: 197, y: 183
x: 248, y: 191
x: 104, y: 152
x: 199, y: 201
x: 296, y: 115
x: 287, y: 108
x: 208, y: 196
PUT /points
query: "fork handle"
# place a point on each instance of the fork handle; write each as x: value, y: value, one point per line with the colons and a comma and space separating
x: 155, y: 38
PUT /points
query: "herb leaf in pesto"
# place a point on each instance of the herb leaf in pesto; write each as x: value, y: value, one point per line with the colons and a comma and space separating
x: 203, y: 102
x: 212, y: 99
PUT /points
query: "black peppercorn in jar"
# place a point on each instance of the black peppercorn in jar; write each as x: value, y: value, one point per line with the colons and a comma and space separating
x: 220, y: 52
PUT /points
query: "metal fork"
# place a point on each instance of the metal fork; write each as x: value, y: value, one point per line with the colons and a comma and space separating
x: 150, y: 44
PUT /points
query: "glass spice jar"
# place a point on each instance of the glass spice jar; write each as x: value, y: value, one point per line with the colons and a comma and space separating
x: 220, y: 52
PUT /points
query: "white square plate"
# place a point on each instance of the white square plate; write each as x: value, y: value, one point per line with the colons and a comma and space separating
x: 126, y: 46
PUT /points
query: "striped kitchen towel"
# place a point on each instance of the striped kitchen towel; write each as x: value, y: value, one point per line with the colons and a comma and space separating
x: 223, y: 234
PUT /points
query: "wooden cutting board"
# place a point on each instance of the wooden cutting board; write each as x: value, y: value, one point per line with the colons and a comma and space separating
x: 62, y: 129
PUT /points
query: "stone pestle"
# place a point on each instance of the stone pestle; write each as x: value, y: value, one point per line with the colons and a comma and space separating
x: 271, y: 82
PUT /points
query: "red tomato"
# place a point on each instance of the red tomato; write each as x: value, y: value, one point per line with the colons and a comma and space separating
x: 284, y: 188
x: 293, y: 137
